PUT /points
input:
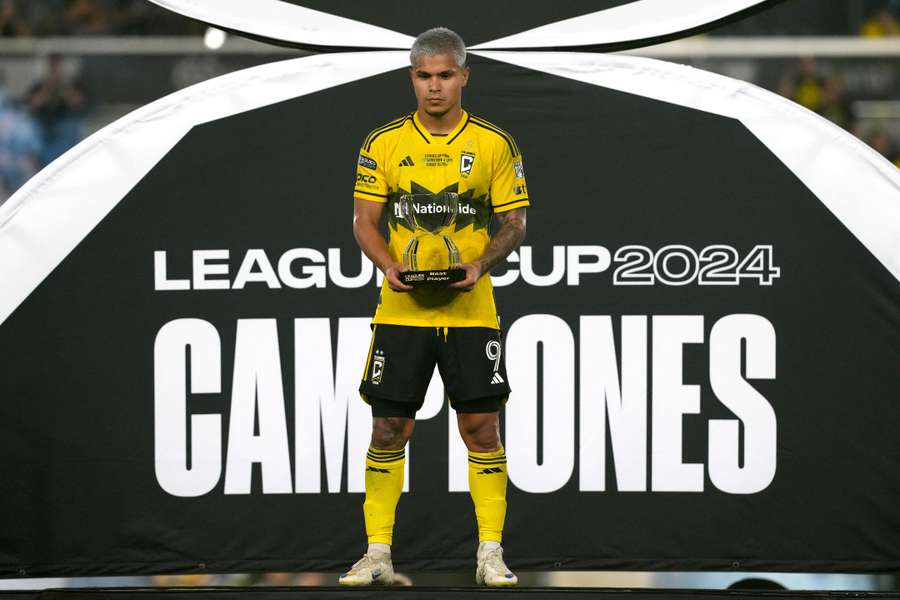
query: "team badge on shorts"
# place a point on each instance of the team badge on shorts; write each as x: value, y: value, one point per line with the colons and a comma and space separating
x: 377, y: 368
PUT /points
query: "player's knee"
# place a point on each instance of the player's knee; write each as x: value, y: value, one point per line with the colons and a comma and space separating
x: 482, y: 441
x: 480, y: 432
x: 391, y: 433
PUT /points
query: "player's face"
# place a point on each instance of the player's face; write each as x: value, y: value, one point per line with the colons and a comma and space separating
x: 438, y: 82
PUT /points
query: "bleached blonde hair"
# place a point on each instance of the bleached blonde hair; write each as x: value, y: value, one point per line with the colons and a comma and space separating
x: 438, y: 40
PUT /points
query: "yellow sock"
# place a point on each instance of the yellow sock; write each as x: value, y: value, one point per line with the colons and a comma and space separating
x: 384, y: 484
x: 487, y: 484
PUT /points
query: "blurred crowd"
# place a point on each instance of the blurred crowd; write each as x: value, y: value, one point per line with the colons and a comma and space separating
x: 881, y: 23
x: 826, y: 94
x: 40, y: 126
x: 24, y: 18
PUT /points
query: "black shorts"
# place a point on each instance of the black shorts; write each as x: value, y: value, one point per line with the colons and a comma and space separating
x: 401, y: 362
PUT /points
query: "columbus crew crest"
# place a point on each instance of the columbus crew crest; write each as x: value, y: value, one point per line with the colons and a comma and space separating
x: 377, y: 368
x: 466, y: 160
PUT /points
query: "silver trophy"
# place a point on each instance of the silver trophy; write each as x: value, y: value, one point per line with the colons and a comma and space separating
x: 429, y: 254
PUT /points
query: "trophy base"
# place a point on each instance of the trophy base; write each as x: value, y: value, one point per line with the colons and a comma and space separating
x: 436, y: 277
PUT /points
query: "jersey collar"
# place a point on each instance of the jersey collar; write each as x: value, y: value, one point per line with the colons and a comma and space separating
x: 441, y: 139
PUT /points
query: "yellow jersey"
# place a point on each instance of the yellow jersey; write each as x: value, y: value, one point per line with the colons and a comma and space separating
x: 477, y: 168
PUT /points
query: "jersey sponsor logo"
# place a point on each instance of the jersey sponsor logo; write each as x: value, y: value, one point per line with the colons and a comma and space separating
x: 365, y: 161
x: 519, y: 189
x: 519, y: 169
x: 377, y: 368
x: 407, y: 162
x: 466, y: 160
x: 433, y: 208
x: 438, y: 160
x: 474, y: 209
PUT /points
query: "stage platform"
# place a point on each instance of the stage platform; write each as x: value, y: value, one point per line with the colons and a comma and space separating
x: 427, y: 593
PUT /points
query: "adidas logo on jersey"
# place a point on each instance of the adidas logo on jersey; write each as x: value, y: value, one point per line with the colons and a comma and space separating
x: 407, y: 162
x: 497, y: 378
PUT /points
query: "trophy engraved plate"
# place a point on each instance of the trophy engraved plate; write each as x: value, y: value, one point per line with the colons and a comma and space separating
x: 429, y: 254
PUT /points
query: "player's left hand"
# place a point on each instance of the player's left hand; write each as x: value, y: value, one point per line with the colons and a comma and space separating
x: 473, y: 272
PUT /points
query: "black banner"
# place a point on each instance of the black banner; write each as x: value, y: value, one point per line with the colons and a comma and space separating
x: 479, y: 22
x: 491, y: 19
x: 703, y: 355
x: 598, y: 25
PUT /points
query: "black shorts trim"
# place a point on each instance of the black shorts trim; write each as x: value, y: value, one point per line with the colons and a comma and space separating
x: 383, y: 408
x: 479, y: 405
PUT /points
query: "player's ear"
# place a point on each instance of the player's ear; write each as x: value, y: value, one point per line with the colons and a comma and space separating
x: 465, y: 74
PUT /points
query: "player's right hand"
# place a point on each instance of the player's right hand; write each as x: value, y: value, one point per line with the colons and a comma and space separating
x: 392, y: 274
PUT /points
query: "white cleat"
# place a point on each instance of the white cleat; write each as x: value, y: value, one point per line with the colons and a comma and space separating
x: 492, y: 571
x: 371, y: 569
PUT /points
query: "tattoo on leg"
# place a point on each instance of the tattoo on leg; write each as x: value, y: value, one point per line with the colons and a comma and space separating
x: 390, y: 433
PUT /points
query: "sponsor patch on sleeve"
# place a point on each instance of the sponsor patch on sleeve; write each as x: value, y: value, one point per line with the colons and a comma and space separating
x: 366, y: 181
x: 365, y: 161
x: 519, y: 169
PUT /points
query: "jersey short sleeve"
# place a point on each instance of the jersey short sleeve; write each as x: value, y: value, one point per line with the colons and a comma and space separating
x: 371, y: 181
x: 508, y: 189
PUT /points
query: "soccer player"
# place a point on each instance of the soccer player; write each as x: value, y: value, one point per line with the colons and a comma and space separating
x: 441, y: 150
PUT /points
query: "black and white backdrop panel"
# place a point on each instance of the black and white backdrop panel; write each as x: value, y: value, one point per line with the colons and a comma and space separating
x: 701, y: 332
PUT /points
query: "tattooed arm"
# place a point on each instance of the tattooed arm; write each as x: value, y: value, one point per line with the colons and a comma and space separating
x: 508, y: 237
